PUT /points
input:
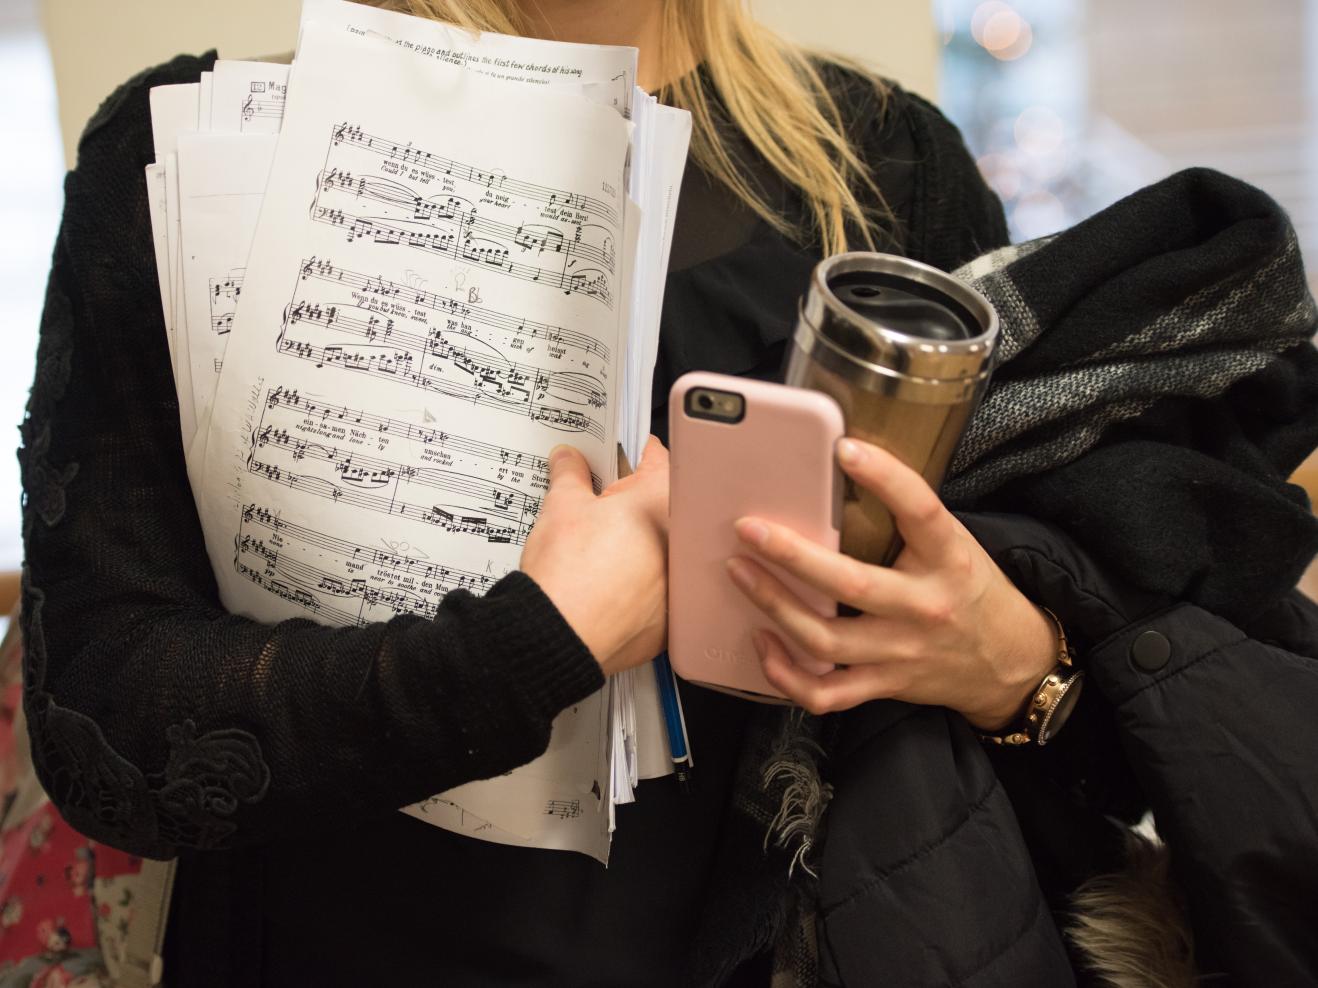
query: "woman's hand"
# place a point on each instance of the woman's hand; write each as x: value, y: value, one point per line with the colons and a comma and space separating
x: 603, y: 560
x: 943, y: 625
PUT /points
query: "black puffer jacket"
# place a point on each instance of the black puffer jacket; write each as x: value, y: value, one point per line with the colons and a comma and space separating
x: 957, y: 865
x: 1212, y: 726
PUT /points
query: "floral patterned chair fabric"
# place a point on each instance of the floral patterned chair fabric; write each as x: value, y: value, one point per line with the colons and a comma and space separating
x: 65, y: 901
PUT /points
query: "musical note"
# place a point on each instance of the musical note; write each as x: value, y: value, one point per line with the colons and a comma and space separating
x: 224, y: 294
x: 352, y: 135
x: 594, y: 283
x: 452, y: 360
x: 322, y: 270
x: 564, y: 809
x: 458, y: 484
x: 323, y: 573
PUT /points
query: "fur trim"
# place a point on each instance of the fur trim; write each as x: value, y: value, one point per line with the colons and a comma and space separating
x: 1130, y: 927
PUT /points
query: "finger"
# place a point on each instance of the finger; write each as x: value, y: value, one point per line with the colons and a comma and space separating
x: 825, y: 638
x: 840, y: 689
x: 924, y: 522
x: 875, y: 589
x: 649, y: 482
x: 569, y: 473
x: 652, y: 473
x: 654, y: 456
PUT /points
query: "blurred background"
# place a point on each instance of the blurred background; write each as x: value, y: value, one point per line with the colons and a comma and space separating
x: 1067, y: 105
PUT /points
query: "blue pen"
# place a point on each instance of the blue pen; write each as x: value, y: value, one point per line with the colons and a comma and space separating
x: 674, y: 722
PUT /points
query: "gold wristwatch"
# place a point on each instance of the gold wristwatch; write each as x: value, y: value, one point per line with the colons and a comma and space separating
x: 1052, y: 701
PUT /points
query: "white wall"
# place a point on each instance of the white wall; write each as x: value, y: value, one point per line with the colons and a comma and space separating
x: 897, y: 37
x: 97, y: 44
x: 29, y: 214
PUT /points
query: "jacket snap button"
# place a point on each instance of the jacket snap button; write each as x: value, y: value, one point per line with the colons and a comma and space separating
x: 1151, y: 650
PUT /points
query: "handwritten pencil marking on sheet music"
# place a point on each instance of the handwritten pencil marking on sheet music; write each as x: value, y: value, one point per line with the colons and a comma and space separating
x: 345, y: 320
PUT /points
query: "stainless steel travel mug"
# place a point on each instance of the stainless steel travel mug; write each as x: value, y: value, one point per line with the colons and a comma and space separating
x: 906, y: 351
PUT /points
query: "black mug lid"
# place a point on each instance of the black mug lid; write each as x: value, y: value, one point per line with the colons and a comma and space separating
x: 902, y: 305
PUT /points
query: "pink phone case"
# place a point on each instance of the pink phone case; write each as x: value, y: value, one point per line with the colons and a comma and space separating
x: 776, y: 463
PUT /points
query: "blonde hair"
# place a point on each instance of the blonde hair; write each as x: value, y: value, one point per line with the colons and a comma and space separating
x: 773, y: 92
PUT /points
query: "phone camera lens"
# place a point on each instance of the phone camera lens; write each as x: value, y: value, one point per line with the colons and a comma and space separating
x: 705, y: 402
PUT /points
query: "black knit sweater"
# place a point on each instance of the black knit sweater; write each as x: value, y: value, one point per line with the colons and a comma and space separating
x: 165, y: 726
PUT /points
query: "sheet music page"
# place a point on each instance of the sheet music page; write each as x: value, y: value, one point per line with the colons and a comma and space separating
x: 158, y: 208
x: 174, y: 109
x: 222, y: 179
x: 187, y: 411
x: 607, y: 73
x: 248, y: 97
x: 655, y: 178
x: 204, y: 100
x: 433, y: 301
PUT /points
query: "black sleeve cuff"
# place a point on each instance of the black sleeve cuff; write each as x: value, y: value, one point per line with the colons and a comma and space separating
x: 550, y: 666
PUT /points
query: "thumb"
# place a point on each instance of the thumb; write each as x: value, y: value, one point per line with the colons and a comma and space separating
x: 653, y: 457
x: 568, y: 471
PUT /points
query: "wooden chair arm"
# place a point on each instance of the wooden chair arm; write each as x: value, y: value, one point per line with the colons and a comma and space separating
x: 9, y: 591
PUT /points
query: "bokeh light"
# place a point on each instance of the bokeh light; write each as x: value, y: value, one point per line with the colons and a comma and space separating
x: 1001, y: 30
x: 1039, y: 213
x: 1039, y: 131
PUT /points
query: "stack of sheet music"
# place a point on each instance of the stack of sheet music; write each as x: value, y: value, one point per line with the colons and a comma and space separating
x: 394, y: 275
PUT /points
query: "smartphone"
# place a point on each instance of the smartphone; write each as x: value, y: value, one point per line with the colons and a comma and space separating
x: 742, y: 447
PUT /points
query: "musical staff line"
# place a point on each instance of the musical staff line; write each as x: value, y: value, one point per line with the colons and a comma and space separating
x: 354, y: 136
x: 371, y: 472
x: 223, y: 296
x: 322, y: 270
x: 282, y: 558
x: 433, y: 363
x: 448, y: 577
x: 439, y: 438
x: 340, y: 466
x: 261, y: 109
x: 463, y: 213
x: 581, y: 389
x: 442, y: 518
x: 589, y: 282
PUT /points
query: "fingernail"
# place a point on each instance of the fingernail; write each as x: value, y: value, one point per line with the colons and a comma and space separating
x: 741, y: 574
x: 752, y: 531
x: 849, y: 452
